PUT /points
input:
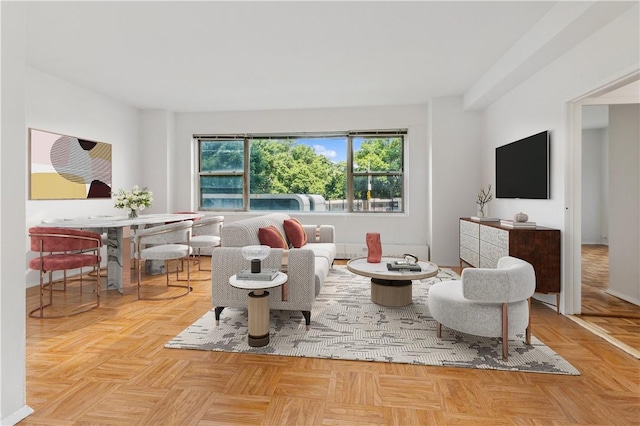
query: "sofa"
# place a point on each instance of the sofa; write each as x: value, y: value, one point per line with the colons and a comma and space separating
x: 307, y: 266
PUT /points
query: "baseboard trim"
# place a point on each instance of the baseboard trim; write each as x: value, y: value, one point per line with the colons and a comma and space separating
x: 17, y: 416
x: 602, y: 334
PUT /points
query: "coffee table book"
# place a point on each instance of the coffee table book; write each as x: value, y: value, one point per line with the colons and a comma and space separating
x: 512, y: 224
x: 264, y: 275
x: 485, y: 219
x: 412, y: 267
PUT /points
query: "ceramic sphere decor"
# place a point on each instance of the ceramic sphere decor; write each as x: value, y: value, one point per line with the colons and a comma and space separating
x: 521, y: 217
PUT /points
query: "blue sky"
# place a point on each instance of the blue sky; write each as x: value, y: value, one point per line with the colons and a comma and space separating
x: 335, y: 149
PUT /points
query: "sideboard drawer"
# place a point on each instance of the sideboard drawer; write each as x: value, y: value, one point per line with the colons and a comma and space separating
x: 492, y: 252
x: 486, y: 262
x: 495, y: 236
x: 469, y: 256
x: 467, y: 241
x: 469, y: 228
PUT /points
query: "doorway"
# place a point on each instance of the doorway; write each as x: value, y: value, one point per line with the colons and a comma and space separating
x: 595, y: 301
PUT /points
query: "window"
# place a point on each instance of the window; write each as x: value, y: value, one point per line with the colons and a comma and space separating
x: 343, y: 172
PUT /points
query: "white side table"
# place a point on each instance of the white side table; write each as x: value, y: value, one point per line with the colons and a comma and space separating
x: 258, y: 306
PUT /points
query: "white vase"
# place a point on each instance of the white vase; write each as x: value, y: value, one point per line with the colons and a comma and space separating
x: 482, y: 211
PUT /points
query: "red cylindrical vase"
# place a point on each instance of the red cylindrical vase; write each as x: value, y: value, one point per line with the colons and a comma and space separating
x: 374, y: 247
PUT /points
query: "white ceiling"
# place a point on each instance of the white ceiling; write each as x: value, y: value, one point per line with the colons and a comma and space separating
x: 214, y: 55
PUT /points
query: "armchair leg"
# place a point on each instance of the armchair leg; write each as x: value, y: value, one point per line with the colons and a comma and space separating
x: 307, y: 318
x: 505, y: 331
x: 218, y: 311
x: 527, y: 332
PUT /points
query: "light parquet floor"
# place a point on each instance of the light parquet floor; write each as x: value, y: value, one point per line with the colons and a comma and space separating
x: 109, y: 367
x: 606, y: 314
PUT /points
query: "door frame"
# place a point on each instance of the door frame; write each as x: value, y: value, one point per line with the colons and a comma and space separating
x: 573, y: 187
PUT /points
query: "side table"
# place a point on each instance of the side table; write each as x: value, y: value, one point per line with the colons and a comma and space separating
x: 258, y: 306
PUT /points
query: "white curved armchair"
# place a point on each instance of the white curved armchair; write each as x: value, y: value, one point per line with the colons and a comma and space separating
x: 487, y: 302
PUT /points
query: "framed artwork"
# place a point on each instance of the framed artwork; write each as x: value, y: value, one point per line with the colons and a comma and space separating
x: 68, y: 168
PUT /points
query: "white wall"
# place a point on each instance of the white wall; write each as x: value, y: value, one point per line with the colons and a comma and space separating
x: 594, y: 193
x: 156, y: 145
x: 541, y: 103
x: 624, y: 197
x: 409, y: 228
x: 61, y: 107
x: 455, y: 174
x: 13, y: 168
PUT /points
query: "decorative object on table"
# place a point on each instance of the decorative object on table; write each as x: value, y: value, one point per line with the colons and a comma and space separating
x: 485, y: 219
x: 265, y: 274
x: 521, y: 217
x: 255, y: 254
x: 68, y: 168
x: 347, y: 325
x: 514, y: 224
x: 402, y: 265
x: 133, y: 200
x: 374, y: 247
x: 484, y: 196
x: 408, y: 263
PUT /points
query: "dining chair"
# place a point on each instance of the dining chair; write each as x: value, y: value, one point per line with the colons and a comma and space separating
x: 205, y: 235
x: 164, y: 242
x: 62, y: 249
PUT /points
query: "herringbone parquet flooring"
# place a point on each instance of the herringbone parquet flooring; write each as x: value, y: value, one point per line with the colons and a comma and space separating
x: 608, y: 314
x: 109, y: 367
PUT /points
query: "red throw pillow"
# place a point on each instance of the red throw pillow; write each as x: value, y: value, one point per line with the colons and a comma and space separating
x: 295, y: 232
x: 270, y: 236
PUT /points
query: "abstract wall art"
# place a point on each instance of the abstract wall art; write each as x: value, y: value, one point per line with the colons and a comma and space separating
x: 66, y: 167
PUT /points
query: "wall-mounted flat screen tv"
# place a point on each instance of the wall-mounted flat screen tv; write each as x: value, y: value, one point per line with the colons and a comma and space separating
x: 522, y: 168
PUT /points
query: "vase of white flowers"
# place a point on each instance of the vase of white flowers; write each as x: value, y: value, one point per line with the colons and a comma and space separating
x: 134, y: 200
x: 484, y: 196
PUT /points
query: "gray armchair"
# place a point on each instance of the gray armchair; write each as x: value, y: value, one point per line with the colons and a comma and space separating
x: 487, y: 302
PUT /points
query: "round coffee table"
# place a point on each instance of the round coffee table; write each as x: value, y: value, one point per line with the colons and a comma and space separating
x: 258, y: 306
x: 391, y: 288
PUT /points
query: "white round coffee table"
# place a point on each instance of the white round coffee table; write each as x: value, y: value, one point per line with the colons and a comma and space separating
x: 391, y: 288
x: 258, y: 306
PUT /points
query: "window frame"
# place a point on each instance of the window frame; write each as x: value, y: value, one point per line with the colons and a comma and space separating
x: 349, y: 190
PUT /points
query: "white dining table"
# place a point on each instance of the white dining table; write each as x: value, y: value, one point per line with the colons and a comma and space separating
x: 120, y: 230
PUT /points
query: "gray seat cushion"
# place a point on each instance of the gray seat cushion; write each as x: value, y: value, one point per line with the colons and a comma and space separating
x: 166, y: 252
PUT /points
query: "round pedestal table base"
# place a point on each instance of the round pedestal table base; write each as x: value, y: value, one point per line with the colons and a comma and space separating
x: 258, y: 310
x: 391, y: 293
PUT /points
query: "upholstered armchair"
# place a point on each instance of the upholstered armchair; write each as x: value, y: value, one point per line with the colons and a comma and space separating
x: 487, y: 302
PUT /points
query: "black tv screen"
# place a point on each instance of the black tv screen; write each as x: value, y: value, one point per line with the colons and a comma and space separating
x: 522, y: 168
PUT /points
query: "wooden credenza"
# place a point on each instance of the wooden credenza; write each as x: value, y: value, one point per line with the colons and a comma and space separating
x: 483, y: 243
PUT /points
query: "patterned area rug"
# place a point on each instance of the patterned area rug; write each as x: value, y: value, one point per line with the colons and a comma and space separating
x: 346, y: 325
